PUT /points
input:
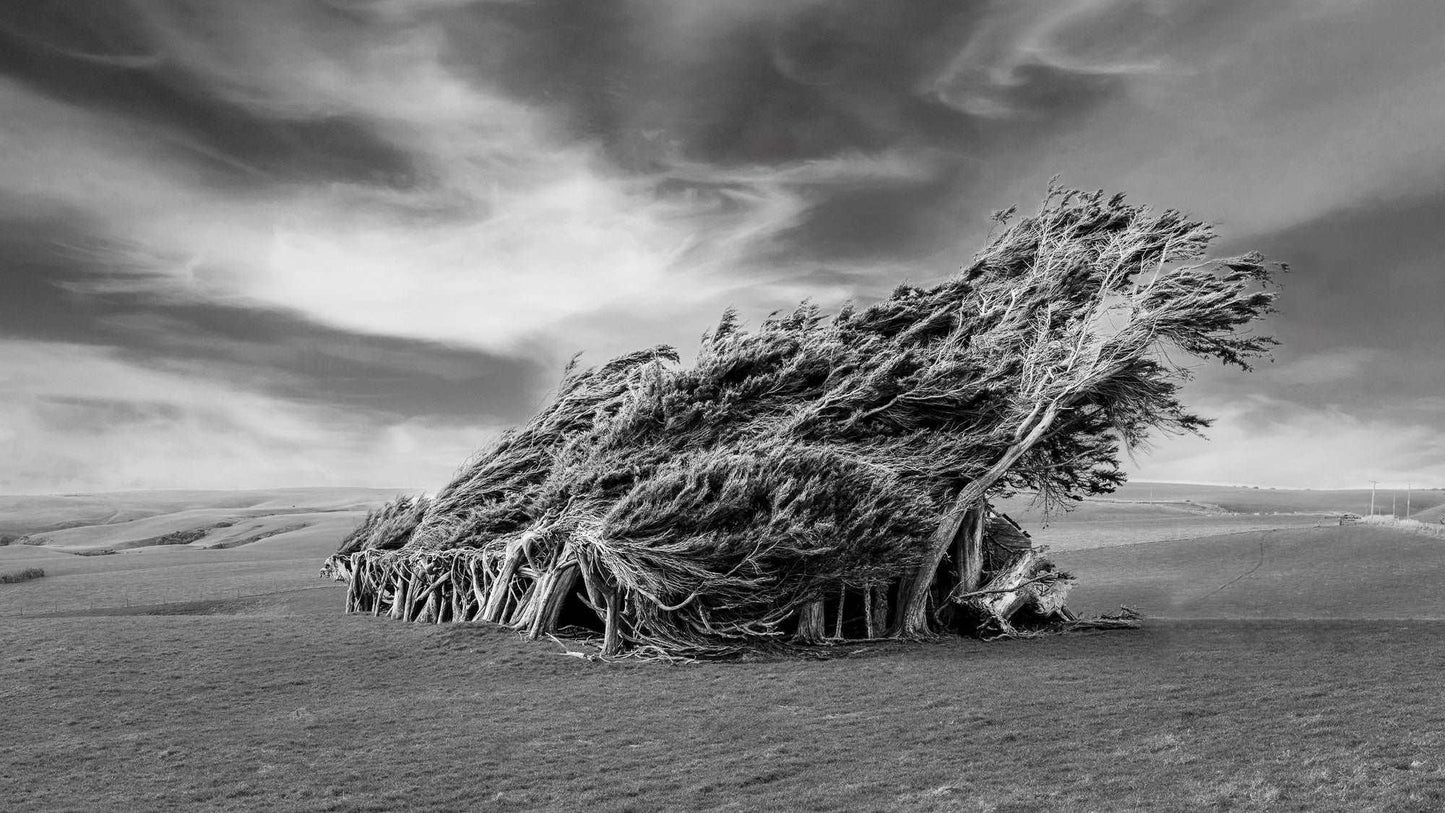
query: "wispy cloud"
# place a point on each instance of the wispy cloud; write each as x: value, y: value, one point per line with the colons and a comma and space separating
x: 506, y: 230
x: 1262, y: 115
x: 302, y: 200
x: 1000, y: 66
x: 79, y: 418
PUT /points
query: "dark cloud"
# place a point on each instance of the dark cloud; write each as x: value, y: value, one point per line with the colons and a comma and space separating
x: 794, y: 82
x: 102, y: 56
x: 1360, y: 315
x: 1370, y: 275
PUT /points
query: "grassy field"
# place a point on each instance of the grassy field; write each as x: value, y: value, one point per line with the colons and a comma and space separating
x: 170, y: 573
x: 281, y: 704
x: 1122, y: 520
x: 1153, y: 512
x: 136, y: 519
x: 1433, y: 514
x: 1280, y: 675
x: 1334, y: 572
x: 1249, y: 500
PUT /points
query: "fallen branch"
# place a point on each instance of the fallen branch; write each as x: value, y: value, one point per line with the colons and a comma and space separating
x: 1046, y: 578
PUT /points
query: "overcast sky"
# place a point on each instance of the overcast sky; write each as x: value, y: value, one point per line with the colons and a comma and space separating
x: 250, y: 244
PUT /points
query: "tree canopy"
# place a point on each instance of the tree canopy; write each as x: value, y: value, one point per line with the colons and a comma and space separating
x: 814, y: 453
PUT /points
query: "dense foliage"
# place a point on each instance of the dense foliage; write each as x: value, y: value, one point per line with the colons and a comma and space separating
x: 819, y: 451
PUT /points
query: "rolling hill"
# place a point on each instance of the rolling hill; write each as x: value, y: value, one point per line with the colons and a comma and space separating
x: 126, y: 520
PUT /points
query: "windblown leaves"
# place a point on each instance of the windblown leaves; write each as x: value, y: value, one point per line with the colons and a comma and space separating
x: 817, y: 451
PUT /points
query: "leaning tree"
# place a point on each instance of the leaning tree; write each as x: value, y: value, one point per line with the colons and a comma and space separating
x: 831, y: 473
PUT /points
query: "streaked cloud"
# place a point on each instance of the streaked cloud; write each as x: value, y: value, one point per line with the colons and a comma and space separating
x: 79, y: 418
x: 1268, y: 442
x: 366, y: 216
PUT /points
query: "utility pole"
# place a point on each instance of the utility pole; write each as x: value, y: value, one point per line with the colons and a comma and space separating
x: 1408, y: 486
x: 1373, y: 483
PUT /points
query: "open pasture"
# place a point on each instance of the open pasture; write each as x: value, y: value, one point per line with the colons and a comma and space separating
x: 1154, y: 512
x: 167, y: 574
x: 1113, y: 524
x: 1433, y: 514
x: 1251, y: 500
x: 1332, y: 572
x: 176, y: 677
x: 284, y: 705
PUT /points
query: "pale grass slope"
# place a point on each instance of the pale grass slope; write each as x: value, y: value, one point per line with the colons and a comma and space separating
x: 1329, y: 572
x: 268, y: 542
x: 1153, y: 512
x: 119, y: 521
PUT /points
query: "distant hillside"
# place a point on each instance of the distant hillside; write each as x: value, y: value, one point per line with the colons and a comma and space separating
x: 1351, y: 571
x: 174, y: 546
x: 1249, y: 500
x: 1153, y: 512
x: 1435, y: 514
x: 124, y: 520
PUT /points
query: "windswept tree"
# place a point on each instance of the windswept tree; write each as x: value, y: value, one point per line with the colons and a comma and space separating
x: 829, y: 469
x: 1087, y: 314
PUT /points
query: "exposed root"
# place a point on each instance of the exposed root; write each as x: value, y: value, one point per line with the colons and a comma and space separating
x: 1125, y: 619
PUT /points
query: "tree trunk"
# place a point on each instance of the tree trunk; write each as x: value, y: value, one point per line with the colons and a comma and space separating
x: 810, y: 623
x: 479, y: 589
x: 378, y: 588
x: 880, y: 609
x: 913, y: 591
x: 1009, y: 591
x: 612, y: 635
x: 968, y: 548
x: 502, y: 586
x: 555, y: 588
x: 353, y: 591
x: 913, y: 610
x: 399, y: 596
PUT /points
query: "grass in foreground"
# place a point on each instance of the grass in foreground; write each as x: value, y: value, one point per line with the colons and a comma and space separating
x: 221, y: 698
x: 308, y: 710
